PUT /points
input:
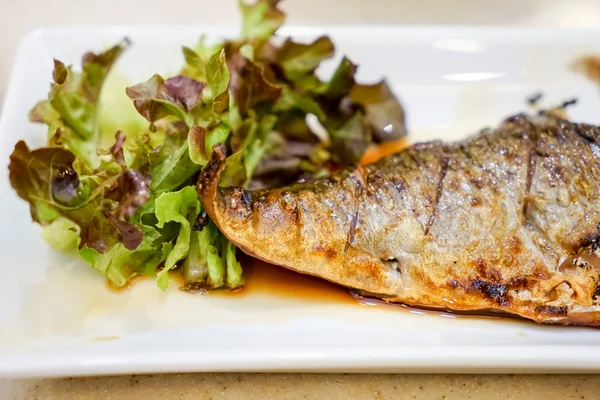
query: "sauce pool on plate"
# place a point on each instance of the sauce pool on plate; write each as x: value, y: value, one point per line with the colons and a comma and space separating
x: 264, y: 278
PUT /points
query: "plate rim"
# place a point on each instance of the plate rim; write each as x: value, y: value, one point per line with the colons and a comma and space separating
x: 416, y: 358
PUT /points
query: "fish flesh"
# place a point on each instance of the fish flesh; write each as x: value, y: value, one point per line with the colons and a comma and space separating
x: 504, y: 221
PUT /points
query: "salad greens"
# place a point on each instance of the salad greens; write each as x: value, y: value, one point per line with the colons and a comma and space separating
x: 128, y: 202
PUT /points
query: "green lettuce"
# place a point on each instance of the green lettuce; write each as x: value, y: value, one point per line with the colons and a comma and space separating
x: 47, y: 179
x: 120, y: 264
x: 82, y: 194
x: 177, y: 207
x: 117, y: 177
x: 171, y: 166
x: 278, y: 82
x: 71, y: 110
x: 62, y: 234
x: 207, y: 258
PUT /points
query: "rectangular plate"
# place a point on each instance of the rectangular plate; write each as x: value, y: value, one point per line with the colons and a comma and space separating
x: 57, y: 317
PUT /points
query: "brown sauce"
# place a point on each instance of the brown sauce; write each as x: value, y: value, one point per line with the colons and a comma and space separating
x: 263, y: 278
x: 113, y: 288
x: 372, y: 302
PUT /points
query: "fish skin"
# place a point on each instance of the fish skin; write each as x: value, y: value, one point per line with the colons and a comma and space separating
x: 480, y: 225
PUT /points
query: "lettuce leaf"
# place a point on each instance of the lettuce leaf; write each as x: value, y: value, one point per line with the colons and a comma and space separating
x: 205, y: 267
x: 177, y: 207
x: 195, y: 266
x: 382, y: 111
x: 115, y: 113
x: 71, y: 110
x: 261, y: 19
x: 170, y: 165
x: 299, y: 60
x: 47, y: 180
x: 158, y: 98
x: 207, y: 258
x: 234, y: 269
x: 202, y: 140
x: 217, y: 79
x: 61, y: 234
x: 120, y: 264
x: 251, y: 84
x: 349, y: 138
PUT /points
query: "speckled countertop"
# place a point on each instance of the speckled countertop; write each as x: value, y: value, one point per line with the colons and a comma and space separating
x: 17, y: 17
x: 307, y: 386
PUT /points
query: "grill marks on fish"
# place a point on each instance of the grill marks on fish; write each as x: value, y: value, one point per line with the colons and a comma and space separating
x: 361, y: 186
x: 483, y: 224
x: 444, y: 161
x: 494, y: 291
x: 552, y: 311
x: 531, y: 164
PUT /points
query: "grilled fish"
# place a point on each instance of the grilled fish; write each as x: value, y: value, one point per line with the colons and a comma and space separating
x: 504, y: 221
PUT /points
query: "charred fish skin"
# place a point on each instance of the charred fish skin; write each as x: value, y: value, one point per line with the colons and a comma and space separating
x: 480, y: 225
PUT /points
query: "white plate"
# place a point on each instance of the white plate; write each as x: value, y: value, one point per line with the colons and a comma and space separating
x: 58, y: 318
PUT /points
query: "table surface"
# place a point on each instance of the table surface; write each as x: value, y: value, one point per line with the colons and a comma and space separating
x: 20, y: 16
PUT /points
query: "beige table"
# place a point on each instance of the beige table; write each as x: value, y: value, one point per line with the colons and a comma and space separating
x: 19, y: 16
